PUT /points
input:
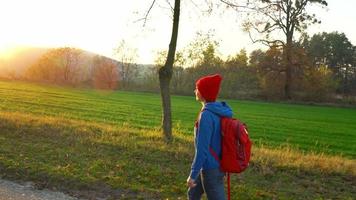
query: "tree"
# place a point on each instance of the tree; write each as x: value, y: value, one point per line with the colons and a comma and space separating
x: 318, y: 83
x: 240, y: 79
x: 268, y: 17
x: 196, y: 59
x: 202, y: 50
x: 201, y: 58
x: 128, y: 63
x: 256, y: 57
x: 209, y: 57
x: 336, y: 52
x: 69, y: 63
x: 165, y: 75
x: 41, y: 70
x: 150, y: 81
x: 353, y: 82
x: 166, y: 71
x: 178, y: 70
x: 270, y: 71
x: 60, y: 65
x: 105, y: 73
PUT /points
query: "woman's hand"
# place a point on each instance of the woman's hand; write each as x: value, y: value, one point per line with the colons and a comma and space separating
x: 191, y: 182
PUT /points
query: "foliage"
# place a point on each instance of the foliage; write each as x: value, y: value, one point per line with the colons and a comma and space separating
x: 318, y: 83
x: 202, y: 50
x: 335, y: 51
x: 240, y: 79
x: 271, y: 73
x: 262, y: 74
x: 61, y: 66
x: 105, y: 73
x: 266, y: 19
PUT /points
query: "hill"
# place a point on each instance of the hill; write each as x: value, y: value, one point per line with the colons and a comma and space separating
x: 15, y: 61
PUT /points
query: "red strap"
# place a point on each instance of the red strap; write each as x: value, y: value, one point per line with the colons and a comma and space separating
x: 228, y: 186
x: 214, y: 154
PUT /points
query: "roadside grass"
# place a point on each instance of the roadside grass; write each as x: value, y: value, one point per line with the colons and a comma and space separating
x: 95, y: 159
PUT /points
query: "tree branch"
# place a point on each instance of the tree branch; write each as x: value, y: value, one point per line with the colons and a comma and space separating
x: 170, y: 5
x: 147, y: 13
x: 268, y: 43
x: 233, y: 5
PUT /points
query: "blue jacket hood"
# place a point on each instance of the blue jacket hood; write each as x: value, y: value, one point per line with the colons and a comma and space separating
x: 219, y: 108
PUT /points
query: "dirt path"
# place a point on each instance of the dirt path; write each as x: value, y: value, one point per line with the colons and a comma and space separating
x: 15, y: 191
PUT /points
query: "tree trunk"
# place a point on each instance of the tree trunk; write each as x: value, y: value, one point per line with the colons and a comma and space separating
x: 165, y: 76
x: 289, y: 65
x: 346, y: 81
x: 166, y: 106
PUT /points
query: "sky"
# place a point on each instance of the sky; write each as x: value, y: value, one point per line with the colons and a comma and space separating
x: 100, y: 25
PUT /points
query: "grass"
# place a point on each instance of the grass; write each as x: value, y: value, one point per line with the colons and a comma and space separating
x: 91, y: 143
x: 329, y: 130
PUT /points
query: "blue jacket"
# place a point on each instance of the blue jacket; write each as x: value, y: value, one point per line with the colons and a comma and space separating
x: 207, y: 135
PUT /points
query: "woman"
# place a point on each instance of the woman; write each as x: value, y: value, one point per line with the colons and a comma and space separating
x: 205, y: 175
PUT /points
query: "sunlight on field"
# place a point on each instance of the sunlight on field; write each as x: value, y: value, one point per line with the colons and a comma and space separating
x: 286, y: 156
x: 77, y: 153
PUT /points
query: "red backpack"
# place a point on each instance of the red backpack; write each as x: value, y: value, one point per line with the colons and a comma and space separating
x: 235, y: 148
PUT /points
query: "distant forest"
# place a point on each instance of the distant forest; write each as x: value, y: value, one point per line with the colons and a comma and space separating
x: 324, y: 69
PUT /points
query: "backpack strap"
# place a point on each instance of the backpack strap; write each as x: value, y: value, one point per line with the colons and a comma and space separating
x: 214, y: 154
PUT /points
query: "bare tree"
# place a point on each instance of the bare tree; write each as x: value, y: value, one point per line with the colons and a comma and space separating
x: 60, y: 65
x: 166, y: 71
x: 70, y: 63
x: 128, y: 63
x: 268, y: 19
x: 165, y: 75
x: 106, y: 73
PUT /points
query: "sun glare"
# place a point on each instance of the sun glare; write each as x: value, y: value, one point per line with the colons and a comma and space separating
x: 98, y: 26
x: 7, y: 51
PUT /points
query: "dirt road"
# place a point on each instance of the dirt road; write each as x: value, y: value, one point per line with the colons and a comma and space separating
x: 15, y: 191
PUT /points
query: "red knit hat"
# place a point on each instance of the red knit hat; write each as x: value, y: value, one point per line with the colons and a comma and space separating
x: 208, y: 86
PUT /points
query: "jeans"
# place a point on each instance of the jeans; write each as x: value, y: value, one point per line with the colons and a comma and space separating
x: 211, y: 182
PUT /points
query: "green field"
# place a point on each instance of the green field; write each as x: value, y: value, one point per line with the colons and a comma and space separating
x: 109, y: 143
x: 330, y: 130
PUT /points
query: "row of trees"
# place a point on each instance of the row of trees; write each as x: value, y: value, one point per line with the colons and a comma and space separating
x: 75, y: 67
x: 322, y: 66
